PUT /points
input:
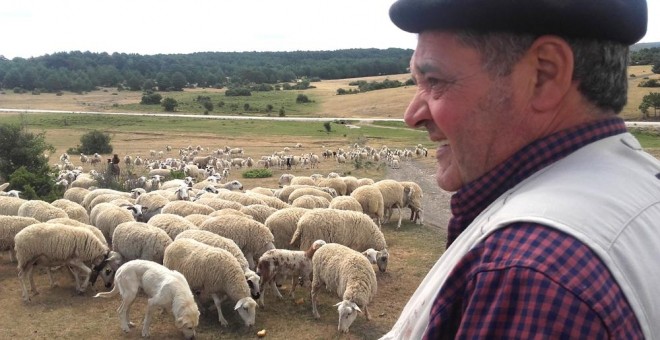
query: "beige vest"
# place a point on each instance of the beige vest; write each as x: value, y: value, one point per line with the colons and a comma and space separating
x: 606, y: 194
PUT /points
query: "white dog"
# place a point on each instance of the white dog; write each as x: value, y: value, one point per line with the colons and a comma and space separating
x: 165, y: 288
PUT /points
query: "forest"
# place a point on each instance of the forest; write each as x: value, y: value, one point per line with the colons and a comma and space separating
x: 84, y: 71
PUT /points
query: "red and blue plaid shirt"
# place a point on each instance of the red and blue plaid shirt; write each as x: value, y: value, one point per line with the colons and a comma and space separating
x: 528, y: 280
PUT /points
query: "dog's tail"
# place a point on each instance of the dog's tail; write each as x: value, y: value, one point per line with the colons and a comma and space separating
x: 109, y: 294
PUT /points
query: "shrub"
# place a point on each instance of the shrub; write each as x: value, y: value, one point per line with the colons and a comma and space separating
x: 302, y: 99
x: 257, y: 173
x: 170, y: 104
x: 95, y: 142
x: 236, y: 92
x: 650, y: 83
x: 151, y: 99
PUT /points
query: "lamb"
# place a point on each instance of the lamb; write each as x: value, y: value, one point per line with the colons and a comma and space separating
x: 259, y: 212
x: 218, y: 241
x: 350, y: 274
x: 10, y: 205
x: 350, y: 228
x: 165, y: 288
x: 40, y: 210
x: 172, y: 224
x: 371, y: 200
x: 413, y: 194
x: 185, y: 208
x: 282, y: 224
x: 345, y: 203
x: 310, y: 202
x: 9, y: 227
x: 50, y: 244
x: 72, y: 209
x: 252, y: 237
x: 283, y: 263
x: 215, y: 272
x: 137, y: 240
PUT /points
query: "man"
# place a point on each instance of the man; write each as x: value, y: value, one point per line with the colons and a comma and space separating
x: 556, y: 217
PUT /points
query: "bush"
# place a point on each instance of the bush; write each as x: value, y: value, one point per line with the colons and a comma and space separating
x: 257, y: 173
x: 302, y: 99
x: 95, y: 142
x: 151, y: 99
x: 35, y: 185
x: 650, y: 83
x: 170, y: 104
x: 236, y: 92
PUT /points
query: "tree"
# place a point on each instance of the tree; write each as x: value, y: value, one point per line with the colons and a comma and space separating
x: 178, y: 81
x: 302, y: 99
x: 95, y: 142
x: 19, y: 148
x: 327, y: 126
x: 656, y: 68
x: 170, y: 104
x: 151, y: 99
x: 650, y: 100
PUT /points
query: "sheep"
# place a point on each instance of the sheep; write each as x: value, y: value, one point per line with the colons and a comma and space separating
x: 271, y: 200
x: 185, y: 208
x: 51, y: 244
x: 76, y: 194
x: 336, y: 183
x: 97, y: 192
x: 137, y: 240
x: 378, y: 258
x: 351, y: 183
x: 350, y: 274
x: 252, y: 237
x: 310, y: 202
x: 40, y: 210
x: 282, y: 224
x: 201, y: 162
x: 232, y: 185
x: 163, y: 173
x: 259, y: 212
x: 393, y: 196
x: 84, y: 182
x: 215, y: 272
x: 219, y: 203
x: 345, y: 203
x: 239, y: 197
x: 197, y: 219
x: 413, y: 194
x: 283, y: 263
x: 75, y: 223
x: 151, y: 201
x: 9, y: 227
x: 308, y: 191
x: 218, y: 241
x: 228, y: 212
x: 350, y: 228
x: 261, y: 190
x: 303, y: 180
x: 365, y: 181
x: 172, y: 224
x: 110, y: 217
x: 283, y: 194
x: 371, y: 200
x: 10, y: 205
x: 104, y: 198
x: 72, y: 209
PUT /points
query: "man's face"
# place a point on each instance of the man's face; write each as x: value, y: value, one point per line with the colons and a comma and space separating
x: 471, y: 115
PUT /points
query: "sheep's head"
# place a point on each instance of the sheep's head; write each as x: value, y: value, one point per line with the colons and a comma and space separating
x: 246, y: 308
x: 136, y: 210
x: 381, y: 260
x: 348, y: 311
x: 253, y: 281
x: 234, y: 185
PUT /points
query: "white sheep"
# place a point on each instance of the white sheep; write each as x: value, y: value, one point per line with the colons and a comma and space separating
x: 9, y: 227
x: 393, y: 196
x: 72, y: 209
x: 172, y: 224
x: 252, y: 237
x: 185, y: 208
x: 138, y: 240
x: 42, y: 211
x: 350, y: 228
x: 110, y: 217
x: 282, y: 263
x: 345, y: 203
x: 413, y: 194
x: 92, y: 194
x: 197, y: 219
x: 347, y: 272
x: 215, y: 240
x: 10, y: 205
x: 283, y: 194
x: 214, y: 272
x: 51, y: 244
x: 219, y: 203
x: 282, y: 224
x: 351, y: 183
x: 76, y: 194
x: 377, y: 257
x: 308, y: 191
x: 310, y: 202
x: 336, y: 183
x: 239, y: 197
x: 271, y: 200
x: 372, y: 202
x: 259, y: 212
x: 75, y: 223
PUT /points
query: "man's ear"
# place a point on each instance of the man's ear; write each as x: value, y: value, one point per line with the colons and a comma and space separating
x: 553, y: 60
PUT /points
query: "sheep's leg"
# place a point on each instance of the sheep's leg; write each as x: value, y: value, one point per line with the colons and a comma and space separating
x: 250, y: 260
x: 77, y: 263
x: 30, y: 274
x: 21, y: 277
x: 315, y: 292
x: 273, y: 285
x: 293, y: 286
x: 400, y: 215
x: 51, y: 279
x: 217, y: 301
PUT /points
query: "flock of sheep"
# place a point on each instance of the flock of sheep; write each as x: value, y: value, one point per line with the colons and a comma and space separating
x: 229, y: 243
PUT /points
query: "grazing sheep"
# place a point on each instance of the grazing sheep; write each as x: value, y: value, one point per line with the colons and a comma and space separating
x: 152, y: 201
x: 259, y: 212
x: 271, y: 201
x: 137, y: 240
x: 310, y: 202
x: 283, y: 263
x: 365, y: 181
x: 413, y: 199
x: 348, y: 273
x: 185, y: 208
x: 75, y: 223
x: 239, y: 197
x: 283, y: 194
x: 308, y: 191
x: 214, y: 272
x: 371, y: 200
x: 10, y: 205
x: 229, y: 245
x: 345, y: 203
x: 172, y: 224
x: 379, y: 258
x: 72, y: 209
x: 197, y: 219
x: 336, y: 183
x: 252, y: 237
x: 282, y: 224
x: 110, y: 217
x: 165, y: 288
x: 92, y: 194
x: 9, y: 227
x: 350, y: 228
x: 76, y: 194
x: 50, y: 244
x: 351, y: 183
x: 262, y: 191
x: 393, y: 196
x: 105, y: 198
x: 219, y: 203
x: 40, y: 210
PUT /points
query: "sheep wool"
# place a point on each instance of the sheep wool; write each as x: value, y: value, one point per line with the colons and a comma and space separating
x: 270, y: 200
x: 310, y: 202
x: 42, y: 211
x: 282, y: 224
x: 76, y: 223
x: 309, y: 191
x: 336, y: 183
x: 219, y: 203
x: 73, y: 210
x: 9, y: 227
x: 259, y: 212
x: 197, y: 219
x: 371, y: 200
x: 76, y: 194
x: 172, y: 224
x: 9, y: 205
x: 185, y: 208
x: 137, y: 240
x: 345, y: 203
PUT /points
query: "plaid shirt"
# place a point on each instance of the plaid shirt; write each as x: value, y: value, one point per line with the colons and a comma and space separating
x: 528, y: 280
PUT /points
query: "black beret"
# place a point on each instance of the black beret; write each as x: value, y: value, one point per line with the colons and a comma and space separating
x: 622, y: 21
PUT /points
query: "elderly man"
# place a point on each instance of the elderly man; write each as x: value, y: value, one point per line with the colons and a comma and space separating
x: 556, y: 217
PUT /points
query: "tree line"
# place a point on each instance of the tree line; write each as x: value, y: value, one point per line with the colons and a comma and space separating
x: 84, y: 71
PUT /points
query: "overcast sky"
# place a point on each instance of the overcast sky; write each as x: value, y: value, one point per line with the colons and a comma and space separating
x: 33, y: 28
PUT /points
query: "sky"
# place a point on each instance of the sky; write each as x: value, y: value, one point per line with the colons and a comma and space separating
x: 32, y: 28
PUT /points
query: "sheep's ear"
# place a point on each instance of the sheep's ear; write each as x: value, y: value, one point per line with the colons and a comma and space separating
x: 239, y: 304
x: 356, y: 308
